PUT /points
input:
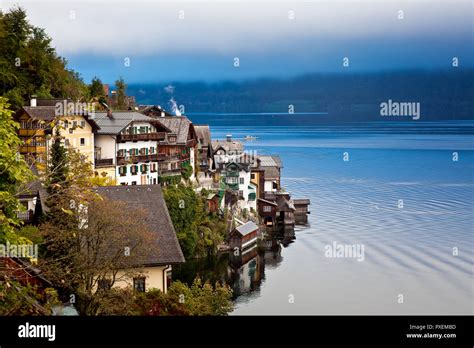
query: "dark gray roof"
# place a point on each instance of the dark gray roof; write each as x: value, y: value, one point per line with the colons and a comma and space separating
x: 118, y: 121
x: 178, y: 125
x: 246, y: 228
x: 203, y: 134
x: 45, y: 113
x: 150, y: 198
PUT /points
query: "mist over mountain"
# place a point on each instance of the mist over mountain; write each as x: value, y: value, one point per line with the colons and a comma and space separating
x: 443, y: 95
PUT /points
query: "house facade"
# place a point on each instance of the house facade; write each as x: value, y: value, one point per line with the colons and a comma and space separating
x: 156, y: 272
x: 127, y: 147
x: 178, y: 147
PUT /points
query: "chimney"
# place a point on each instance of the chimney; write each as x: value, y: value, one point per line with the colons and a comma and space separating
x: 229, y: 137
x: 33, y: 101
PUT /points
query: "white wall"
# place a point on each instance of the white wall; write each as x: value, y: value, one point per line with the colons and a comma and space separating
x: 107, y: 145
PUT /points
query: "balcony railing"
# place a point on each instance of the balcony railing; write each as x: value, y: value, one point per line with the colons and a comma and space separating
x: 141, y: 158
x: 146, y: 136
x: 24, y: 215
x: 104, y: 162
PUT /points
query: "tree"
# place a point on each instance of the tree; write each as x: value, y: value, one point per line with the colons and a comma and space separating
x: 30, y: 65
x: 121, y: 89
x: 199, y: 233
x: 96, y: 90
x: 89, y: 241
x: 13, y: 173
x: 198, y: 299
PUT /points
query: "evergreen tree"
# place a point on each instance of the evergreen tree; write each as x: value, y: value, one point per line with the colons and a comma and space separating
x: 121, y: 88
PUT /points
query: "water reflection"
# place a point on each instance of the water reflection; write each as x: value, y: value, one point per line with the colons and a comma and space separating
x: 244, y: 273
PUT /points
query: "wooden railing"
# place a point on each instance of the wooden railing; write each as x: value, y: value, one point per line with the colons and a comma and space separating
x: 103, y: 162
x: 145, y: 136
x: 141, y: 158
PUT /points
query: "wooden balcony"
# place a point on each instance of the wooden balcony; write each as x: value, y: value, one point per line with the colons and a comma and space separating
x: 158, y: 136
x: 140, y: 158
x: 103, y: 162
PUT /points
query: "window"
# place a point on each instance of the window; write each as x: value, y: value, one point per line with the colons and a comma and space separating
x: 70, y: 130
x: 154, y: 181
x: 134, y: 170
x: 267, y: 208
x: 66, y: 124
x: 139, y: 284
x: 134, y: 182
x: 123, y: 170
x: 231, y: 180
x: 66, y: 142
x: 241, y: 181
x: 252, y: 176
x: 83, y: 141
x: 74, y: 124
x: 83, y: 124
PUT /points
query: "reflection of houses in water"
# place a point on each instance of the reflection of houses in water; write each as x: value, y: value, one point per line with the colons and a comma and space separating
x: 272, y: 254
x: 245, y: 270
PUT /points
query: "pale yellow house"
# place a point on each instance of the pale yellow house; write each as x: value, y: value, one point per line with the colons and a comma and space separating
x: 156, y: 272
x: 77, y: 132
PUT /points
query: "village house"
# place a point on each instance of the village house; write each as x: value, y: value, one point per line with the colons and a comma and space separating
x: 244, y: 237
x: 157, y: 270
x: 226, y: 150
x: 236, y: 177
x: 127, y: 147
x: 153, y: 110
x: 205, y: 155
x: 179, y: 146
x: 39, y: 124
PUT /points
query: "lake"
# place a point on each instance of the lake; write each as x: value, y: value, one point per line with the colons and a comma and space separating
x: 402, y: 190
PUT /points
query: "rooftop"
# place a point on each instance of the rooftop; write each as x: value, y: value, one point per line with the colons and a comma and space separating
x: 178, y: 125
x: 150, y: 199
x: 246, y: 228
x: 118, y: 121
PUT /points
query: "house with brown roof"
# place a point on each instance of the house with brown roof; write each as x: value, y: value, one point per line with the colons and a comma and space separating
x: 127, y: 147
x: 149, y: 198
x: 47, y: 117
x: 179, y: 145
x: 205, y: 154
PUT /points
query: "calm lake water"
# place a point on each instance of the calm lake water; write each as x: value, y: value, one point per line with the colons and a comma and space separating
x: 408, y: 250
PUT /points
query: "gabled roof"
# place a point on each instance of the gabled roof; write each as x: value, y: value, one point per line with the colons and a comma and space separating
x: 232, y: 145
x: 270, y: 161
x: 178, y: 125
x: 203, y: 134
x: 150, y: 199
x: 118, y: 121
x: 43, y: 113
x: 271, y: 165
x: 246, y: 228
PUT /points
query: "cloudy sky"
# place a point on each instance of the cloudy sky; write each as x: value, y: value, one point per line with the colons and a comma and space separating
x: 160, y: 41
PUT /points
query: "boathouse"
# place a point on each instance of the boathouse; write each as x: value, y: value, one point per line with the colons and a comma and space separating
x: 243, y: 236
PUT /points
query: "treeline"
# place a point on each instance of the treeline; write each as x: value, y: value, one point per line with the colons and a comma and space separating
x: 29, y: 65
x: 444, y: 94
